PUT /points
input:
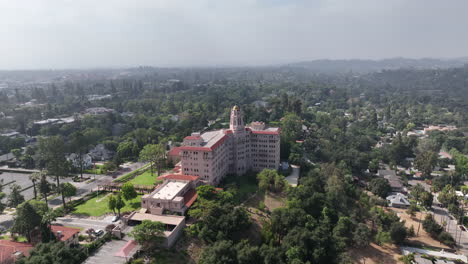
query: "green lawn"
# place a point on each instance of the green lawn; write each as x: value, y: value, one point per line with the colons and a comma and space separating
x: 145, y: 179
x: 95, y: 171
x: 98, y: 206
x: 19, y: 238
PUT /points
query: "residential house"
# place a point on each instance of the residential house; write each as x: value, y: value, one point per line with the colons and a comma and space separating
x: 11, y: 251
x: 67, y: 235
x: 398, y: 200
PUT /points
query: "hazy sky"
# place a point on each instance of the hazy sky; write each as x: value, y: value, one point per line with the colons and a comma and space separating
x: 114, y: 33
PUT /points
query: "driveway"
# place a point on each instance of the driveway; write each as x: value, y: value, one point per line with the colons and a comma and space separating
x: 107, y: 254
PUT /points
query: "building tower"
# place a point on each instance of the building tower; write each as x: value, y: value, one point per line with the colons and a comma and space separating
x: 240, y: 147
x: 236, y: 123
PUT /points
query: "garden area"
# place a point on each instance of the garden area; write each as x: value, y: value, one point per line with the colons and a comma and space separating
x: 98, y: 205
x: 145, y: 179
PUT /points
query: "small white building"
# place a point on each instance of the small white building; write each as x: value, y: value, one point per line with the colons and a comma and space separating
x: 398, y: 200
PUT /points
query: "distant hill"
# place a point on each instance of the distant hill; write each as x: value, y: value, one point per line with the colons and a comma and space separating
x: 363, y: 66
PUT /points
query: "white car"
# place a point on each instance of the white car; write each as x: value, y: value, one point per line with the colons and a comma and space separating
x: 115, y: 218
x: 99, y: 232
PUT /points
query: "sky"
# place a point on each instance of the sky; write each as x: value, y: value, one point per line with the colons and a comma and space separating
x: 57, y: 34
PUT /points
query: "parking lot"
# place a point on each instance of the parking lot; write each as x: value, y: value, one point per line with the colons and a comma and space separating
x: 107, y: 253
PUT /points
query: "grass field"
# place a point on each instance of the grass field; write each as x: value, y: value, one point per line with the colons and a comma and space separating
x: 145, y: 179
x: 95, y: 171
x: 98, y: 206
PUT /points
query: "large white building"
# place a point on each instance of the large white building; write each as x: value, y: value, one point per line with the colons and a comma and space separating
x: 236, y: 150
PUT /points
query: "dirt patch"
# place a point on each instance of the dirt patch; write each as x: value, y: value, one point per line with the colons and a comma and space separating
x: 387, y: 254
x: 423, y: 237
x: 273, y: 201
x: 192, y: 247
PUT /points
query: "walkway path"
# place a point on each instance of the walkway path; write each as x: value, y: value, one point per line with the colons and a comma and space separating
x: 293, y: 178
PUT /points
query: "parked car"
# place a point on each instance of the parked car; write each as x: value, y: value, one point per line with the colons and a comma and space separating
x: 462, y: 228
x: 99, y: 232
x: 115, y: 218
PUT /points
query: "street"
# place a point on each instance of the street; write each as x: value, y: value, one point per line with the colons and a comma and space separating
x: 461, y: 237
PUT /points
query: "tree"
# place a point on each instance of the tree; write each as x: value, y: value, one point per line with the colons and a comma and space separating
x: 44, y: 186
x: 149, y: 234
x: 111, y: 203
x: 380, y: 187
x: 128, y: 191
x: 361, y: 236
x: 270, y: 180
x: 119, y: 203
x: 16, y: 153
x: 448, y: 196
x: 34, y: 178
x: 52, y: 152
x: 68, y: 189
x: 398, y: 232
x: 80, y: 145
x: 221, y: 252
x: 2, y: 195
x: 426, y: 199
x: 26, y: 220
x: 425, y: 162
x: 54, y: 252
x: 416, y: 192
x: 15, y: 197
x: 155, y: 154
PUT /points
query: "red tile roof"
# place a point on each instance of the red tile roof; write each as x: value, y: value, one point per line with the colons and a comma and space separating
x: 67, y: 232
x: 192, y: 137
x: 8, y: 248
x: 125, y: 250
x: 175, y: 151
x: 189, y: 197
x: 178, y: 177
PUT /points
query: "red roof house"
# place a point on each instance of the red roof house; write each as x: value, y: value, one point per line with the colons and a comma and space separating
x: 10, y: 251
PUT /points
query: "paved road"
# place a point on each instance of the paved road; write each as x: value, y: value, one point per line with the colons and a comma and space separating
x: 83, y: 222
x: 461, y: 237
x: 83, y: 188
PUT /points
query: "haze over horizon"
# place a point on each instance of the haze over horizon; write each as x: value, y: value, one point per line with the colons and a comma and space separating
x: 61, y: 34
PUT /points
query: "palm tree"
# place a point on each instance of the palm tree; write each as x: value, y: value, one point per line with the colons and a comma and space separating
x: 44, y: 186
x: 35, y: 177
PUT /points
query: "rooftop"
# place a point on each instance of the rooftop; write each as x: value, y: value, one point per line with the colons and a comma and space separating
x: 169, y: 190
x: 67, y: 232
x: 165, y: 219
x: 8, y: 248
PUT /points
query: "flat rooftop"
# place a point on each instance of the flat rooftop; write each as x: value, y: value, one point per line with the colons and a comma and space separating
x: 211, y: 137
x: 165, y: 219
x: 169, y: 190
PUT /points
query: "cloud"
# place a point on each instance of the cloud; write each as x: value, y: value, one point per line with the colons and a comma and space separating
x: 113, y: 33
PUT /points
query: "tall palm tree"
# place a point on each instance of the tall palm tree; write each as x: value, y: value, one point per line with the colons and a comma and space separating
x: 35, y: 177
x: 44, y: 187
